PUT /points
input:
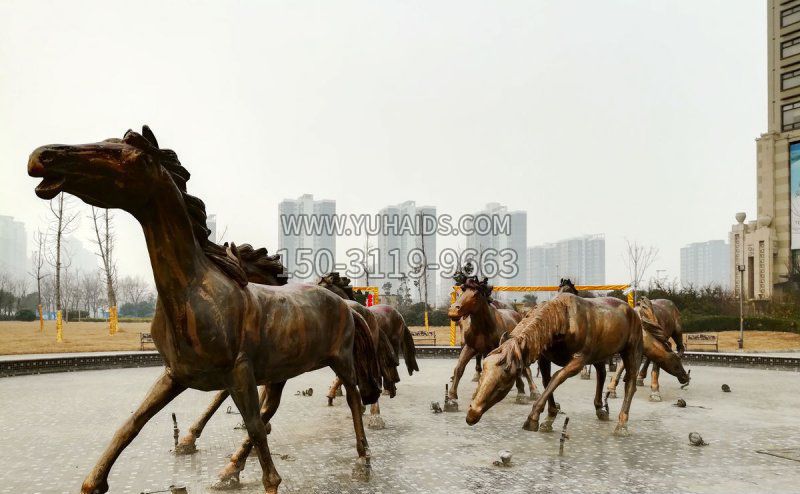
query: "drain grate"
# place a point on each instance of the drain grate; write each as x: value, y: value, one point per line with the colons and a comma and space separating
x: 786, y: 453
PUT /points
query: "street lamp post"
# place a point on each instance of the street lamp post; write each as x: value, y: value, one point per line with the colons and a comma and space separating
x: 740, y: 217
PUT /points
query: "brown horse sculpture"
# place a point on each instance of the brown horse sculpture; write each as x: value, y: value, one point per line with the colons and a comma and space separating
x: 483, y: 325
x: 213, y: 329
x: 572, y: 332
x: 660, y: 321
x: 380, y: 327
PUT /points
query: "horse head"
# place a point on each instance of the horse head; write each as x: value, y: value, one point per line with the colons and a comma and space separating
x: 566, y: 286
x: 500, y: 370
x: 116, y: 173
x: 474, y: 292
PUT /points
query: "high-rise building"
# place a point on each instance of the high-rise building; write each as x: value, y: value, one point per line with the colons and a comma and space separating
x: 211, y: 223
x: 13, y: 247
x: 705, y: 264
x: 582, y: 259
x: 768, y: 246
x: 75, y: 257
x: 306, y: 238
x: 500, y: 231
x: 406, y: 235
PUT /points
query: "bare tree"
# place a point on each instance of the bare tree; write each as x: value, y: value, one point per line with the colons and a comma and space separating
x: 91, y: 288
x: 134, y: 290
x: 104, y: 239
x: 638, y: 259
x: 64, y: 222
x: 37, y: 272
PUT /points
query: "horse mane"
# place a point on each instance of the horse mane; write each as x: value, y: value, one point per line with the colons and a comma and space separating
x: 534, y: 334
x: 258, y: 265
x: 566, y: 286
x: 650, y: 322
x: 231, y: 265
x: 339, y: 285
x: 482, y: 286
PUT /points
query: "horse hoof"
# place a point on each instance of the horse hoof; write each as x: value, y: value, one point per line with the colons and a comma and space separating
x: 227, y: 482
x: 330, y: 401
x: 185, y: 448
x: 640, y: 382
x: 546, y: 427
x: 522, y: 399
x: 362, y: 470
x: 530, y: 425
x: 535, y: 395
x: 621, y: 431
x: 339, y: 392
x: 98, y: 488
x: 612, y: 394
x: 388, y: 393
x: 376, y: 422
x: 655, y: 396
x: 602, y: 415
x: 450, y: 405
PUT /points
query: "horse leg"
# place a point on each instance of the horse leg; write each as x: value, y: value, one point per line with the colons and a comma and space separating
x: 631, y: 358
x: 332, y: 391
x: 375, y: 421
x: 643, y: 372
x: 477, y: 376
x: 572, y: 368
x: 612, y: 384
x: 531, y: 385
x: 655, y: 393
x: 600, y: 410
x: 187, y: 445
x: 163, y: 391
x: 552, y: 407
x: 270, y: 400
x: 466, y: 355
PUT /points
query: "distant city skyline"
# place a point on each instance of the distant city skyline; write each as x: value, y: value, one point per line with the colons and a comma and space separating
x: 581, y: 258
x: 705, y: 264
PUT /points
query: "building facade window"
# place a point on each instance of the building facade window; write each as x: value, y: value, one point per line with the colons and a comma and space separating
x: 790, y: 16
x: 790, y: 116
x: 790, y: 80
x: 789, y: 48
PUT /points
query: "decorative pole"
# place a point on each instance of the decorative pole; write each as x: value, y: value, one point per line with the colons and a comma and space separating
x: 59, y: 328
x: 740, y: 217
x: 453, y: 323
x: 41, y: 318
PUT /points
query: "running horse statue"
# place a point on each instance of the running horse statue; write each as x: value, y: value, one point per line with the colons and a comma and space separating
x: 660, y: 321
x: 483, y: 326
x: 214, y: 330
x: 572, y: 332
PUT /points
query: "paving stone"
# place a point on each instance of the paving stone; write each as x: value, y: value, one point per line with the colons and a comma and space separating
x: 53, y: 428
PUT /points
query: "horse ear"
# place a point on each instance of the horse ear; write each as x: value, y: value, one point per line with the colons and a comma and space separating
x: 148, y: 134
x: 504, y: 337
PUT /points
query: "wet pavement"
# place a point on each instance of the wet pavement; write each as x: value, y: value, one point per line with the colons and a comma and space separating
x: 53, y: 428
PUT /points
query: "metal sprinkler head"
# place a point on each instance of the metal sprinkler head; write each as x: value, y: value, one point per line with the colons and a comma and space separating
x: 505, y: 459
x: 435, y: 407
x: 696, y: 439
x: 726, y: 388
x: 681, y: 403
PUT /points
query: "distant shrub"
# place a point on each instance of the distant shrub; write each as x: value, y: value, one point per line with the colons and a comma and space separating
x: 700, y: 324
x: 25, y: 315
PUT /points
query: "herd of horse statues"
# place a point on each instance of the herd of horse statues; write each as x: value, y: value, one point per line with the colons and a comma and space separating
x: 226, y: 320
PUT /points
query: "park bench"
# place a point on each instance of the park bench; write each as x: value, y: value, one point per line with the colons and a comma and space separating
x: 144, y: 339
x: 701, y: 339
x: 424, y: 337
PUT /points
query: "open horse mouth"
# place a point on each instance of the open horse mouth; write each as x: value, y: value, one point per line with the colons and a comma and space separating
x: 51, y: 183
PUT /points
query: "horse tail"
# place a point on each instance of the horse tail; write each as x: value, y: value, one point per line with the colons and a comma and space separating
x: 388, y: 360
x: 409, y: 351
x: 365, y: 359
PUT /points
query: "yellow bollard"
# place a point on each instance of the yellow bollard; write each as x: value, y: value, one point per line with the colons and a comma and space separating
x: 59, y: 328
x: 113, y: 321
x: 41, y: 319
x: 630, y: 298
x: 452, y: 323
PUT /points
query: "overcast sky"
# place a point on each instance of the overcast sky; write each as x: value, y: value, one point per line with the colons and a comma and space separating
x: 631, y: 118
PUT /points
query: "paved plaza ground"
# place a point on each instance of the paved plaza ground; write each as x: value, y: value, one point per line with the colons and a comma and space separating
x: 53, y: 427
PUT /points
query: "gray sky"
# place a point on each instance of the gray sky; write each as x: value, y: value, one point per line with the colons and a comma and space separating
x: 634, y: 118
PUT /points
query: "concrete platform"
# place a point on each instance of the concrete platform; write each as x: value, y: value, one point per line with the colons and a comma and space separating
x: 53, y: 427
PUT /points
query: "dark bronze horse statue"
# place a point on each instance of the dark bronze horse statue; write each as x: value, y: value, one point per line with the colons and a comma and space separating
x: 572, y: 332
x: 660, y: 321
x: 214, y: 330
x: 483, y: 326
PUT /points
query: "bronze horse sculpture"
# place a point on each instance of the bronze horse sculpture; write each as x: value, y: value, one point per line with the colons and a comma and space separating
x: 392, y: 337
x: 483, y: 326
x: 572, y: 332
x: 214, y: 330
x: 660, y: 321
